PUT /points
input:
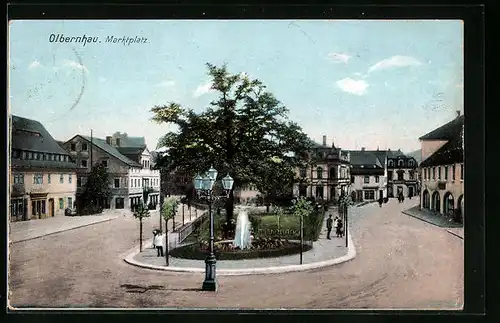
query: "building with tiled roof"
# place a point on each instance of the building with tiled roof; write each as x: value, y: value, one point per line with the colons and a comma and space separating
x: 42, y: 174
x: 442, y: 168
x: 327, y: 175
x: 382, y: 173
x: 127, y: 161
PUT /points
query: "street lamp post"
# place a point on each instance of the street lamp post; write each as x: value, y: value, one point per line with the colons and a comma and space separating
x: 204, y: 188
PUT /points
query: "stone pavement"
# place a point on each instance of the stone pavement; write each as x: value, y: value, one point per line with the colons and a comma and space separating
x: 323, y: 250
x: 32, y: 229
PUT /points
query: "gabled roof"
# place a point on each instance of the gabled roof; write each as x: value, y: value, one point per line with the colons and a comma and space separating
x: 449, y: 153
x: 31, y: 135
x: 42, y: 164
x: 446, y: 131
x: 127, y: 141
x: 101, y: 143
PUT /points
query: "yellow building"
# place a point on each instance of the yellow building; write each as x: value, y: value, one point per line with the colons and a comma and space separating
x: 42, y: 177
x: 442, y: 168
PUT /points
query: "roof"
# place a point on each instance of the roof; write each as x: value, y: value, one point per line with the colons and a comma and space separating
x: 24, y: 138
x: 131, y: 150
x: 446, y: 131
x: 42, y: 164
x: 126, y: 141
x: 449, y: 153
x: 101, y: 143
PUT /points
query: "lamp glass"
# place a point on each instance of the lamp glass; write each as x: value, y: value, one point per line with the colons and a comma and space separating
x: 206, y: 183
x: 198, y: 182
x: 212, y: 173
x: 227, y: 182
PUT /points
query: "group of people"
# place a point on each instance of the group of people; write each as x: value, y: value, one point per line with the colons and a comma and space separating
x: 334, y: 223
x: 158, y: 242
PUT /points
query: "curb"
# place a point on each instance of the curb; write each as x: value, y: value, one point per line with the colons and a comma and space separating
x: 59, y: 231
x: 351, y: 254
x: 454, y: 234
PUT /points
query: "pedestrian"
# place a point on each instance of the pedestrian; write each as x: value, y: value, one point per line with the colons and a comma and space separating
x: 335, y: 224
x: 339, y: 228
x: 329, y: 225
x: 380, y: 201
x: 155, y: 232
x: 158, y: 241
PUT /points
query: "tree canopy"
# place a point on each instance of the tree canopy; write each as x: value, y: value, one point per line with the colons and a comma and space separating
x: 97, y: 186
x: 245, y: 132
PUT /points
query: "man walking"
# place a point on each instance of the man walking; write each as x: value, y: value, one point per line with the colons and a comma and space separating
x: 158, y: 241
x: 329, y: 226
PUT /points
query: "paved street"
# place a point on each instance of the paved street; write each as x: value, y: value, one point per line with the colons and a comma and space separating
x: 401, y: 262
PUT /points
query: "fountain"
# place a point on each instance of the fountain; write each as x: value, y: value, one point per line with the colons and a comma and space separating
x: 242, y: 232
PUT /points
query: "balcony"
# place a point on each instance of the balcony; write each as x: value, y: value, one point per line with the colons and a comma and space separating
x: 18, y: 190
x: 38, y: 189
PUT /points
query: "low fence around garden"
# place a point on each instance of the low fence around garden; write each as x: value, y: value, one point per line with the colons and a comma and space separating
x: 184, y: 231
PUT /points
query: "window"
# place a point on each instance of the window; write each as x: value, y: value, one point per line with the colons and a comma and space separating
x: 377, y: 179
x: 389, y: 175
x: 38, y: 178
x: 65, y: 158
x: 425, y: 173
x: 84, y: 163
x: 15, y: 154
x: 439, y: 172
x: 38, y: 156
x: 333, y: 173
x: 117, y: 183
x: 70, y: 178
x: 369, y: 195
x: 73, y: 147
x: 70, y: 202
x: 352, y: 179
x: 412, y: 174
x: 303, y: 172
x: 78, y: 182
x: 390, y: 163
x: 367, y: 179
x: 104, y: 163
x: 23, y: 155
x: 48, y: 178
x: 61, y: 203
x: 453, y: 171
x: 410, y: 163
x: 433, y: 172
x: 18, y: 178
x: 462, y: 171
x: 131, y: 182
x: 401, y: 175
x: 400, y: 163
x: 45, y: 157
x: 446, y: 173
x: 61, y: 178
x: 30, y: 155
x: 319, y: 172
x: 84, y: 147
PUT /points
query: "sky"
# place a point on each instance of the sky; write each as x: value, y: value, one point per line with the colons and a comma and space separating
x: 373, y: 84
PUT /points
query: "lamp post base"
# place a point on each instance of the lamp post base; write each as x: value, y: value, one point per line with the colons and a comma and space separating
x: 210, y: 283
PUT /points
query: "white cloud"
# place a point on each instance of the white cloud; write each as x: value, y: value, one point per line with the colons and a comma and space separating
x: 395, y: 61
x: 34, y: 64
x: 352, y: 86
x: 75, y: 65
x: 166, y: 83
x: 339, y: 57
x: 202, y: 89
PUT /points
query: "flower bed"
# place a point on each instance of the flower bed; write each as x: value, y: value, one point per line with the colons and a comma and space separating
x: 261, y: 248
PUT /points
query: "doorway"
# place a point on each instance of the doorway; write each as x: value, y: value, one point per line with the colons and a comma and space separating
x: 380, y: 194
x: 51, y: 207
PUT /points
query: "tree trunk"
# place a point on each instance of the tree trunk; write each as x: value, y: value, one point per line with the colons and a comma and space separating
x: 166, y: 241
x: 140, y: 234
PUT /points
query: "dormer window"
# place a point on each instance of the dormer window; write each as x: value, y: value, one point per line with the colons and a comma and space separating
x: 390, y: 163
x: 400, y: 163
x: 410, y: 163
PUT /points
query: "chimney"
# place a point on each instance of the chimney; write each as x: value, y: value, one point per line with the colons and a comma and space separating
x: 118, y: 142
x: 108, y: 140
x: 362, y: 148
x: 324, y: 140
x: 458, y: 113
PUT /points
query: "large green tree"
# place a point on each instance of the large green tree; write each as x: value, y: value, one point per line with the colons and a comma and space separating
x: 245, y: 132
x: 97, y: 187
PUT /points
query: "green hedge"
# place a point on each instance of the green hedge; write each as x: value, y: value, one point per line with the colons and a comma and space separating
x: 193, y: 251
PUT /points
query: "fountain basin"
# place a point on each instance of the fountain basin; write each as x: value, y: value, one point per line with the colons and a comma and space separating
x: 224, y: 250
